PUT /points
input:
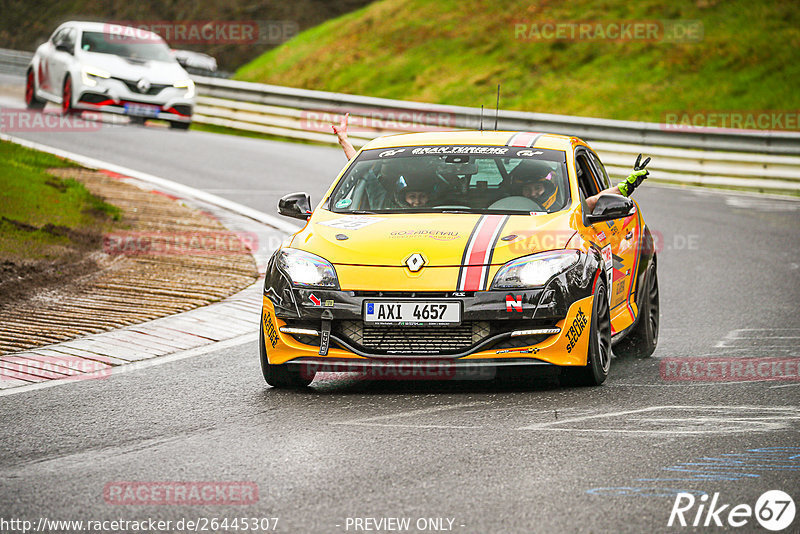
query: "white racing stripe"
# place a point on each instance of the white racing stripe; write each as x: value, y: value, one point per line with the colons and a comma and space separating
x: 482, y: 263
x: 470, y: 246
x: 487, y: 258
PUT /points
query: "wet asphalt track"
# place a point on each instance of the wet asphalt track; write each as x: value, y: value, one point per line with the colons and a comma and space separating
x: 493, y: 456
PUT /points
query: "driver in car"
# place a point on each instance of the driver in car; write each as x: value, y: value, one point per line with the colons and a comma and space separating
x: 413, y: 190
x: 534, y: 180
x: 535, y: 184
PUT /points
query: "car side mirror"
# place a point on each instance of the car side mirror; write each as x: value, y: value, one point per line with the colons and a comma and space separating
x: 295, y: 205
x: 64, y: 47
x: 609, y: 207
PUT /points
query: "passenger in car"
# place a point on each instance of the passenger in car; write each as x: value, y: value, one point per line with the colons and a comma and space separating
x: 529, y: 175
x: 534, y: 180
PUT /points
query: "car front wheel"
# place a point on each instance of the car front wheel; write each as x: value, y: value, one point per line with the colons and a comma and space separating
x: 281, y: 376
x: 598, y: 362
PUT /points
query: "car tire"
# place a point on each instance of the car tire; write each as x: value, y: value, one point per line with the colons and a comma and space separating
x: 31, y: 100
x: 175, y: 125
x: 281, y: 376
x: 642, y: 340
x: 66, y: 97
x: 599, y: 354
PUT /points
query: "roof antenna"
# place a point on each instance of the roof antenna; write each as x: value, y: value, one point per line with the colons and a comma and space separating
x: 497, y: 107
x: 481, y: 117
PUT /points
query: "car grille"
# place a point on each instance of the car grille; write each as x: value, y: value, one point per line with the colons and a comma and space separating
x: 414, y: 339
x: 154, y: 88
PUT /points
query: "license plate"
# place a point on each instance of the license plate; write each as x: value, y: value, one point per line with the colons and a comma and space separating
x: 142, y: 110
x: 410, y: 313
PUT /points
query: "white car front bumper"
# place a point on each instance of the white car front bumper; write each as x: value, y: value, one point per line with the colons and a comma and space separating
x: 115, y: 95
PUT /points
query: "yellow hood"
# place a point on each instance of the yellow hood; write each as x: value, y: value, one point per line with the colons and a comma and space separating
x: 443, y: 239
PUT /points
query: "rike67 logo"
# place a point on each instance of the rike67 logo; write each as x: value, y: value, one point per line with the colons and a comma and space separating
x: 774, y: 510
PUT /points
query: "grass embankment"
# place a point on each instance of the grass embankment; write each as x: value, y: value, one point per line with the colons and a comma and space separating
x: 43, y: 217
x: 456, y: 51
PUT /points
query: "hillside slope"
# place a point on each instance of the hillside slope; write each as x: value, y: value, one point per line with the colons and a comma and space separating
x: 25, y: 24
x: 455, y: 52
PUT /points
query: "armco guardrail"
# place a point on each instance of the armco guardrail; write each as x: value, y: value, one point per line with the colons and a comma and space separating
x: 638, y: 133
x: 767, y: 160
x: 14, y: 61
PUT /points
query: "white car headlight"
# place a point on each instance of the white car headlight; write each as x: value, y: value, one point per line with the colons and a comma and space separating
x: 534, y: 270
x: 185, y: 84
x: 89, y: 75
x: 307, y: 270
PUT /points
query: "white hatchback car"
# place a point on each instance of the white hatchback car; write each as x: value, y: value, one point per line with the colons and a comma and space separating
x: 112, y: 69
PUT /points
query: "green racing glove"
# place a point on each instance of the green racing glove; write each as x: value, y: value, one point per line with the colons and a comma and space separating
x: 627, y: 186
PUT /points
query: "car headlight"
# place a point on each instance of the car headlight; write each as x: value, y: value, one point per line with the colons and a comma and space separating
x: 307, y: 270
x: 185, y: 84
x: 89, y: 75
x: 534, y: 270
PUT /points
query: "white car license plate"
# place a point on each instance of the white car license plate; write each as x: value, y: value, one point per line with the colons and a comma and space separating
x: 142, y: 110
x: 412, y: 312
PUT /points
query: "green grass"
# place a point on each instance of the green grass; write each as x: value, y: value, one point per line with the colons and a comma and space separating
x: 455, y: 52
x: 39, y: 212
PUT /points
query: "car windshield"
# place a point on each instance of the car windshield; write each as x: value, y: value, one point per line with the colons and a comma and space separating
x: 474, y: 179
x: 151, y: 48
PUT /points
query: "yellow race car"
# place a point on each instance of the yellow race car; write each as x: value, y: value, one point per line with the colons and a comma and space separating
x: 461, y: 250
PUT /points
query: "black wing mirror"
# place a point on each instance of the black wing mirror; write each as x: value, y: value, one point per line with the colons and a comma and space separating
x: 64, y: 47
x: 295, y: 205
x: 609, y: 207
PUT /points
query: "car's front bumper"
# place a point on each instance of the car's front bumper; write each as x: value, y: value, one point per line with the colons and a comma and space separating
x: 115, y: 96
x: 548, y: 324
x: 564, y: 343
